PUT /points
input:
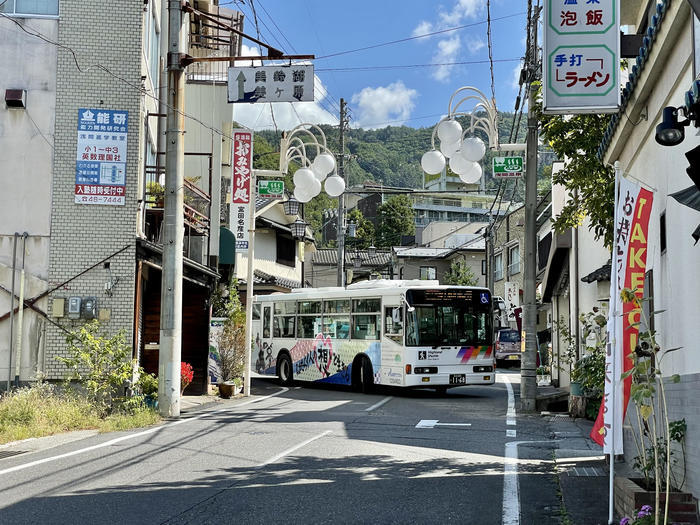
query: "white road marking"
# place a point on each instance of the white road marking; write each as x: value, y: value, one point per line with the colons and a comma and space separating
x: 511, y: 433
x: 294, y: 448
x: 510, y: 414
x: 131, y: 436
x: 377, y: 405
x: 432, y: 423
x: 510, y: 422
x: 511, y: 491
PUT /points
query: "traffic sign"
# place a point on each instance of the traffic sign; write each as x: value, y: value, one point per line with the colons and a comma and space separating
x: 507, y: 167
x: 270, y: 189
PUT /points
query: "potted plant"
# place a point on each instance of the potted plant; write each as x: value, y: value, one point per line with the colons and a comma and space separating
x: 156, y: 191
x: 660, y: 441
x: 231, y: 344
x: 148, y: 386
x: 186, y: 376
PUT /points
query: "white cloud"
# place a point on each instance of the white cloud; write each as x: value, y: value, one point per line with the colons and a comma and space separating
x: 374, y: 107
x: 515, y: 78
x: 449, y: 46
x: 423, y: 28
x: 287, y: 115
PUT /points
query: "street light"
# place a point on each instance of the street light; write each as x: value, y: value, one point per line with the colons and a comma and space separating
x: 464, y: 152
x: 291, y: 206
x: 298, y: 229
x: 318, y: 163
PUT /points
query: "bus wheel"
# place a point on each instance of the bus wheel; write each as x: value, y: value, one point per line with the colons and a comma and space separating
x: 363, y: 376
x: 284, y: 370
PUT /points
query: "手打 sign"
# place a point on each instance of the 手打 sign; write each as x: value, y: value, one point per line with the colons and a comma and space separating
x: 581, y: 58
x: 507, y: 167
x: 271, y: 83
x: 270, y: 189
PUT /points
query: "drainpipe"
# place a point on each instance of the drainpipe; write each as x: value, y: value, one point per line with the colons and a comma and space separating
x: 12, y: 311
x: 577, y: 302
x: 20, y: 313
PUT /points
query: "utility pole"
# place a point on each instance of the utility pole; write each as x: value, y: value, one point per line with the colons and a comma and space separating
x: 169, y: 354
x: 528, y: 378
x: 340, y: 237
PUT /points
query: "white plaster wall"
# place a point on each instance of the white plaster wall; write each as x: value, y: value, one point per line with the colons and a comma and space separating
x: 662, y: 169
x: 208, y: 103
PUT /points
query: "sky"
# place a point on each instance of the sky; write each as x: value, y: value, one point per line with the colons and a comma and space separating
x: 404, y: 83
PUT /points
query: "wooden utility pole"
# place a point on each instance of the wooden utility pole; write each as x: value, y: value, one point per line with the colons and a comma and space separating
x: 169, y: 354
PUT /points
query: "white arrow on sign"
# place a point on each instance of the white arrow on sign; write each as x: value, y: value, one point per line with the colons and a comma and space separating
x: 432, y: 423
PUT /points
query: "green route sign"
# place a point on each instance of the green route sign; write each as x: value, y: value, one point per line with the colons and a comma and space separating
x: 507, y: 167
x: 270, y: 189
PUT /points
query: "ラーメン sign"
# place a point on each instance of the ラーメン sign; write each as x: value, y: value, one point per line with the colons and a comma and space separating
x: 581, y: 58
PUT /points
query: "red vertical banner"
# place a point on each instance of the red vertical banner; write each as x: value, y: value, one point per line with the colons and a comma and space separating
x: 632, y: 213
x: 241, y: 191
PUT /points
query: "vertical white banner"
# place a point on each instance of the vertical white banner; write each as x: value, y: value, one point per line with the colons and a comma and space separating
x: 242, y: 191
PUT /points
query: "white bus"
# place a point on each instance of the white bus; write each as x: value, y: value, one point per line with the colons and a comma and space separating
x: 397, y: 333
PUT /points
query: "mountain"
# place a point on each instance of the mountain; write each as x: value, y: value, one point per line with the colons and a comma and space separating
x: 391, y: 155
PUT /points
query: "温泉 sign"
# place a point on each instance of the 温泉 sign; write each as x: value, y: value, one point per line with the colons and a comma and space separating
x: 506, y: 167
x: 271, y: 189
x: 241, y: 191
x: 271, y: 84
x: 100, y: 168
x: 581, y: 56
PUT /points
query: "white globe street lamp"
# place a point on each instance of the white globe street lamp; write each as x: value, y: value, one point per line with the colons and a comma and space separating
x: 463, y: 149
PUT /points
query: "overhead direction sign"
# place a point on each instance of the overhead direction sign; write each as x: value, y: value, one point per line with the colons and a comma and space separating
x: 581, y: 58
x: 282, y: 83
x: 507, y: 167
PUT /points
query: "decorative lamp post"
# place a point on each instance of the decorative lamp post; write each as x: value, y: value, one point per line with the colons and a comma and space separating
x: 318, y: 163
x: 298, y: 229
x: 372, y: 251
x: 461, y: 149
x: 291, y: 206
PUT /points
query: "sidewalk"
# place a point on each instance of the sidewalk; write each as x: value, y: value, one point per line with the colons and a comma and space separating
x: 582, y: 469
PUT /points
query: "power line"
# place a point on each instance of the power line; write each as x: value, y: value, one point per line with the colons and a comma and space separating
x: 412, y: 66
x: 425, y: 35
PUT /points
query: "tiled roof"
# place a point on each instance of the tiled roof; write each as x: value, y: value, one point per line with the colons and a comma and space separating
x: 260, y: 277
x: 635, y: 72
x: 601, y: 274
x: 330, y: 257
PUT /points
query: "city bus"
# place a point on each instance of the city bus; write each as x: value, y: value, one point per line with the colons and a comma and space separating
x: 379, y: 332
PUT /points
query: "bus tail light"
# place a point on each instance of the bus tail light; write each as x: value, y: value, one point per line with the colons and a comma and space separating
x: 408, y: 369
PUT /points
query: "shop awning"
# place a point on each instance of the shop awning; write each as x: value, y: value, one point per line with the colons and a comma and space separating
x: 227, y: 246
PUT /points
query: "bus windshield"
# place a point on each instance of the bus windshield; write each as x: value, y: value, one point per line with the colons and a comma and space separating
x: 453, y: 317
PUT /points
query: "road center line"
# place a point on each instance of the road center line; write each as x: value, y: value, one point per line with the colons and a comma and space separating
x: 131, y: 436
x: 294, y: 448
x: 380, y: 403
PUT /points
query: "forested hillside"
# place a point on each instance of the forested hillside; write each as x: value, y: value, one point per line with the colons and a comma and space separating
x: 392, y: 155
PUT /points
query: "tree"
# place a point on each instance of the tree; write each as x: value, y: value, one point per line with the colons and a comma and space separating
x: 591, y: 183
x: 364, y: 234
x: 460, y: 274
x: 395, y: 219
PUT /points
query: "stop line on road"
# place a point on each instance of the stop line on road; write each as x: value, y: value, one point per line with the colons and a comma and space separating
x: 432, y: 423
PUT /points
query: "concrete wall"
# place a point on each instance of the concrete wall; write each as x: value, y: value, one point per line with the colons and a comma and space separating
x: 26, y: 165
x: 108, y: 33
x: 668, y: 73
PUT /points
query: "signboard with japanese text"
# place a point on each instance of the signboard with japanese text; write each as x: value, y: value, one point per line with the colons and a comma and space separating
x: 512, y: 298
x: 271, y: 189
x: 283, y: 83
x: 100, y: 168
x: 581, y: 58
x: 630, y: 244
x: 241, y: 190
x: 507, y: 167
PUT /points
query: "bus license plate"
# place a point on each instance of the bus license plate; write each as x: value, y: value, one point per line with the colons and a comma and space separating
x: 458, y: 379
x: 513, y: 357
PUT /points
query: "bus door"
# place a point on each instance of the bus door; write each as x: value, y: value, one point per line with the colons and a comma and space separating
x: 265, y: 353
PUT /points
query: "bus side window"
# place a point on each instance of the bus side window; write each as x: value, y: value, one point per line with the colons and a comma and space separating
x: 276, y: 332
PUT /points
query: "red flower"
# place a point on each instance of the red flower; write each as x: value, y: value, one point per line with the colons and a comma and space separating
x: 186, y: 375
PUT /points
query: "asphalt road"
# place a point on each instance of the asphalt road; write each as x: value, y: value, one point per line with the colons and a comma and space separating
x: 302, y: 455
